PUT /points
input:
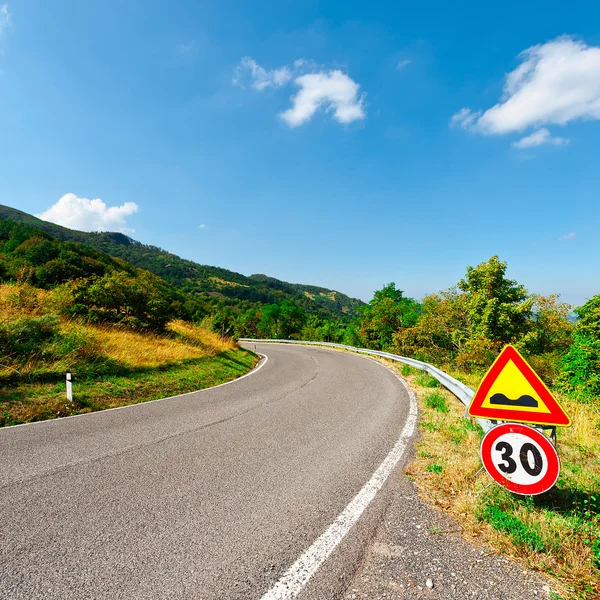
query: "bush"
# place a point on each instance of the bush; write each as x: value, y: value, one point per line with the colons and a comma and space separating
x: 138, y: 302
x: 478, y: 352
x: 547, y: 366
x: 75, y: 344
x: 27, y: 334
x: 581, y: 366
x: 406, y: 370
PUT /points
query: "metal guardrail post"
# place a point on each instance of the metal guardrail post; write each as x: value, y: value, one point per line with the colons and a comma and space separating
x: 458, y: 388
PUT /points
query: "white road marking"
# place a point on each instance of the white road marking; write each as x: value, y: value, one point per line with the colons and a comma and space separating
x: 297, y: 576
x: 47, y: 422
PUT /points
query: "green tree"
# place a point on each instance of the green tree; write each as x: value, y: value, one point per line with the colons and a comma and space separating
x: 550, y: 330
x: 37, y: 250
x: 499, y: 309
x: 330, y: 331
x: 223, y: 322
x: 581, y: 365
x: 443, y: 330
x: 468, y: 325
x: 310, y: 331
x: 268, y: 326
x: 140, y: 302
x: 387, y: 312
x: 282, y: 320
x: 351, y: 336
x: 247, y: 323
x: 291, y: 319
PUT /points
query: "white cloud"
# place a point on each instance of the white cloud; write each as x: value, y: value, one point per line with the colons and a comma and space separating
x: 538, y: 138
x: 332, y: 90
x: 258, y: 76
x: 202, y: 226
x: 569, y: 236
x: 464, y: 117
x: 556, y: 83
x: 89, y: 215
x: 403, y: 63
x: 5, y: 18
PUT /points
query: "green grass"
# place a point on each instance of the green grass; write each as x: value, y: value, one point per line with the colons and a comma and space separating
x: 425, y: 380
x: 521, y: 534
x: 435, y: 468
x: 406, y: 370
x: 436, y: 401
x: 46, y: 400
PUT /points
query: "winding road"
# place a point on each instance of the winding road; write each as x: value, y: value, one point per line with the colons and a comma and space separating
x: 213, y: 494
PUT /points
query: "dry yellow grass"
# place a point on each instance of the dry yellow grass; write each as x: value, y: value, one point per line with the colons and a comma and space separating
x: 112, y: 365
x: 448, y: 472
x: 149, y: 350
x: 182, y: 341
x: 19, y: 301
x: 192, y: 334
x: 224, y: 283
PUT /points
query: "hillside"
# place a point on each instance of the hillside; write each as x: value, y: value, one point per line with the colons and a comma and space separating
x: 195, y: 278
x: 113, y: 364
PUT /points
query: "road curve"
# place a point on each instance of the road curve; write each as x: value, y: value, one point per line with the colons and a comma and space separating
x: 209, y: 495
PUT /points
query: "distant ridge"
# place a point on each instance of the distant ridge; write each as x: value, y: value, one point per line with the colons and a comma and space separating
x: 195, y: 278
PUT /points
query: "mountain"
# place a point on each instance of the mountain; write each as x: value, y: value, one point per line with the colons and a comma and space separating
x: 195, y: 278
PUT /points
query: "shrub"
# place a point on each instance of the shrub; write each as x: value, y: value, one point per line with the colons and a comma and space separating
x: 139, y: 302
x: 581, y: 366
x: 75, y: 344
x: 547, y: 366
x: 406, y: 370
x: 27, y: 334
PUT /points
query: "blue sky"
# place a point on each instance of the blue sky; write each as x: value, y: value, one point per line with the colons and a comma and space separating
x: 339, y: 144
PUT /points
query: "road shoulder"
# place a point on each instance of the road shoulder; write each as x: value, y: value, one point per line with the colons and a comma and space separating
x: 419, y: 552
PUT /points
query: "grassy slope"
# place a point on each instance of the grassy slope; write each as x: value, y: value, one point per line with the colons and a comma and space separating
x: 193, y: 277
x: 558, y: 532
x: 112, y: 366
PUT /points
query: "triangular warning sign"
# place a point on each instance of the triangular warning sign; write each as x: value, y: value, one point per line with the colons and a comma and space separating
x: 512, y: 391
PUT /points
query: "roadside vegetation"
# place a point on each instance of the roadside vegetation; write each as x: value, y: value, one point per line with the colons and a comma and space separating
x: 230, y: 303
x: 113, y: 365
x: 557, y: 533
x: 462, y: 330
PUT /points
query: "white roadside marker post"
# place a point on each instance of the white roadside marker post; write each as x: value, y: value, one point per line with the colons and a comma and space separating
x: 69, y: 386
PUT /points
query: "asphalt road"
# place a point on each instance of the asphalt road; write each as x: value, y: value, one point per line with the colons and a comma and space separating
x: 209, y: 495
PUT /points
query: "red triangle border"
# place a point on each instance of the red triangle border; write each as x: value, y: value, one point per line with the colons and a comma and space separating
x: 557, y: 415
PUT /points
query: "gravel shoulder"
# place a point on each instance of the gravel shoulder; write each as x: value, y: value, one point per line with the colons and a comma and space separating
x: 418, y: 552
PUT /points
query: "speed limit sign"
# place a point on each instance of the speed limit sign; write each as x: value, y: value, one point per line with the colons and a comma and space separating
x: 520, y: 458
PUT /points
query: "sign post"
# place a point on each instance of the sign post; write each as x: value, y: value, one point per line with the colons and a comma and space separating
x: 518, y: 457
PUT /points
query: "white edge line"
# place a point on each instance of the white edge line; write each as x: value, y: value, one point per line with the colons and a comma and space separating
x: 260, y: 365
x: 297, y: 576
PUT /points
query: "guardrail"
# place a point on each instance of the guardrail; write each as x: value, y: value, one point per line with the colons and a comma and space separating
x: 459, y: 389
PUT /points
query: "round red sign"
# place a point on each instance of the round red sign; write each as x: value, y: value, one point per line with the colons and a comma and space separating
x: 520, y: 458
